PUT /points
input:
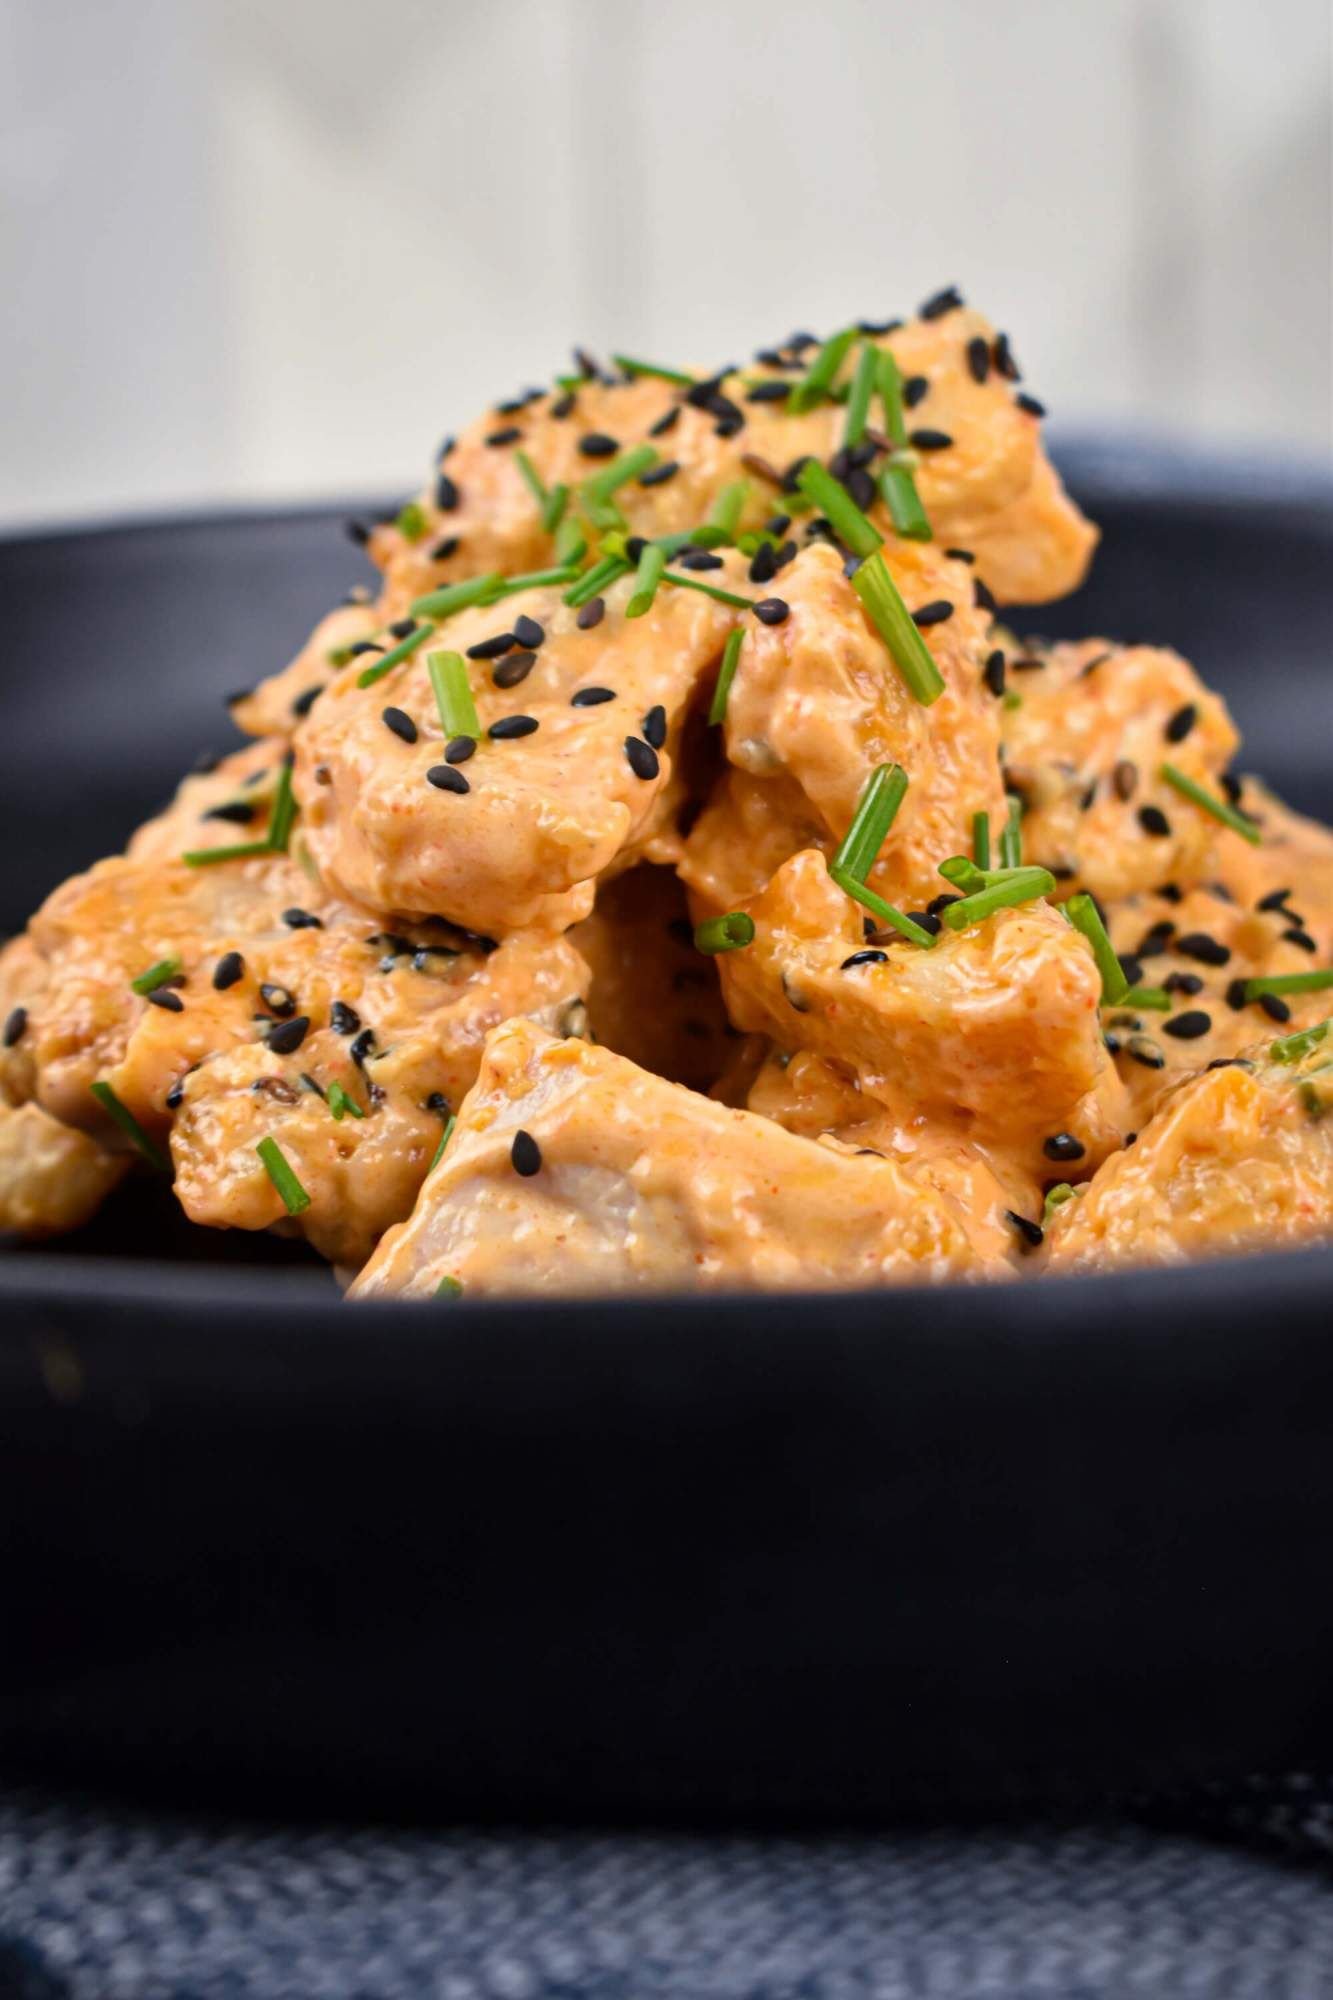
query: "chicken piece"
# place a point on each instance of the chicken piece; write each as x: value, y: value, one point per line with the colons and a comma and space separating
x: 1291, y: 868
x: 818, y: 700
x: 997, y: 1204
x: 225, y: 805
x: 1200, y: 948
x: 981, y: 466
x: 1084, y: 751
x: 52, y: 1179
x: 531, y: 822
x: 653, y: 999
x: 574, y: 1172
x: 749, y: 827
x: 995, y: 1031
x: 1237, y: 1158
x: 277, y: 704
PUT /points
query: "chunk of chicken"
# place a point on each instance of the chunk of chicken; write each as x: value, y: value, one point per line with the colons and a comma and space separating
x: 572, y: 1170
x: 1085, y: 749
x: 1238, y: 1158
x: 995, y: 1031
x: 532, y: 822
x: 982, y: 475
x: 52, y: 1179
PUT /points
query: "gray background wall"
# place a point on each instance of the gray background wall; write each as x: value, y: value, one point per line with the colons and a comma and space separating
x: 260, y: 248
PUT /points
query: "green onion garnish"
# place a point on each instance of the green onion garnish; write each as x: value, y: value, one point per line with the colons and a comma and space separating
x: 1082, y: 914
x: 571, y: 544
x: 651, y: 565
x: 157, y: 975
x: 412, y: 522
x: 724, y: 516
x: 1014, y: 886
x: 708, y: 590
x: 1312, y: 1097
x: 845, y: 518
x: 280, y: 1172
x: 1148, y: 999
x: 341, y: 1105
x: 620, y: 471
x: 553, y: 508
x: 282, y: 814
x: 451, y: 597
x: 963, y: 874
x: 981, y: 839
x: 896, y: 481
x: 131, y: 1127
x: 1289, y: 982
x: 818, y: 378
x: 731, y: 654
x: 1011, y: 839
x: 863, y: 388
x: 728, y: 933
x: 449, y: 1288
x: 877, y: 906
x: 1292, y: 1047
x: 629, y: 366
x: 533, y: 579
x: 1056, y: 1197
x: 245, y: 850
x: 445, y: 1137
x: 892, y: 620
x: 453, y: 695
x: 1229, y: 815
x: 597, y: 579
x: 531, y: 478
x: 403, y: 650
x: 890, y: 383
x: 876, y: 810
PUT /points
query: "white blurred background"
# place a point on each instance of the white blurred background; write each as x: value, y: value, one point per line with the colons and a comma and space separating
x: 272, y: 248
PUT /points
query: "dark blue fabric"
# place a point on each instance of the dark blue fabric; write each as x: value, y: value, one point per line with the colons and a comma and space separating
x: 109, y: 1905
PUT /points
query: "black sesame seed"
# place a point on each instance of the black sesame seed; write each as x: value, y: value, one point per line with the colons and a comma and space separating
x: 162, y: 996
x: 525, y: 1155
x: 1300, y: 938
x: 590, y: 614
x: 772, y: 610
x: 934, y: 613
x: 1063, y: 1146
x: 563, y: 405
x: 1190, y: 982
x: 978, y: 358
x: 643, y: 759
x: 1030, y: 404
x: 15, y: 1023
x: 446, y: 493
x: 305, y: 701
x: 864, y: 958
x: 458, y: 749
x: 312, y: 1084
x: 765, y: 565
x: 935, y: 307
x: 1275, y: 1006
x: 361, y: 646
x: 930, y: 440
x: 698, y: 559
x: 527, y: 631
x: 1153, y: 820
x: 491, y: 649
x: 927, y: 920
x: 175, y: 1097
x: 361, y: 1047
x: 635, y: 547
x: 229, y: 968
x: 654, y: 727
x: 769, y: 392
x: 512, y: 669
x: 914, y: 388
x: 237, y: 812
x: 343, y: 1020
x: 1189, y: 1026
x: 287, y: 1036
x: 1274, y: 900
x: 1004, y: 358
x: 438, y: 1103
x: 1235, y: 995
x: 1145, y: 1050
x: 982, y: 596
x: 510, y: 726
x: 402, y: 626
x: 591, y: 697
x: 448, y: 545
x: 276, y: 998
x: 1032, y: 1233
x: 297, y: 919
x: 1181, y: 723
x: 598, y: 445
x: 1130, y: 966
x: 1208, y: 950
x: 993, y: 672
x: 357, y: 532
x: 446, y: 779
x: 400, y: 723
x: 508, y: 435
x: 665, y: 423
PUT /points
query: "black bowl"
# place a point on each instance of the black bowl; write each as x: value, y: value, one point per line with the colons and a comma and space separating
x: 883, y: 1554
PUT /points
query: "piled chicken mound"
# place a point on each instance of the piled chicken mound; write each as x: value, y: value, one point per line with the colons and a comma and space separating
x: 677, y: 876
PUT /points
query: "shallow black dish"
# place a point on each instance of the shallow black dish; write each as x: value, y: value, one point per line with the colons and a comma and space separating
x: 880, y: 1554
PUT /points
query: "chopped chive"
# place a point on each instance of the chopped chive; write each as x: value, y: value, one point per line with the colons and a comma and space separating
x: 531, y: 479
x: 1289, y: 982
x: 1011, y: 838
x: 818, y: 378
x: 627, y: 365
x: 728, y: 933
x: 1292, y: 1047
x: 402, y: 651
x: 157, y: 975
x: 131, y: 1127
x: 1056, y: 1197
x: 1148, y: 999
x: 451, y: 597
x: 341, y: 1105
x: 876, y: 810
x: 890, y: 384
x: 1083, y: 915
x: 620, y: 471
x: 1229, y: 815
x: 963, y: 874
x: 877, y: 906
x: 533, y: 579
x: 449, y: 1288
x: 412, y: 522
x: 892, y: 620
x: 731, y: 654
x: 1014, y: 886
x: 981, y: 839
x: 724, y: 516
x: 708, y: 590
x: 282, y: 814
x: 845, y: 518
x: 204, y: 857
x: 651, y: 565
x: 280, y: 1171
x: 571, y: 544
x: 553, y: 508
x: 863, y: 388
x: 597, y: 579
x: 1313, y: 1099
x: 453, y: 695
x: 445, y: 1137
x: 897, y: 484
